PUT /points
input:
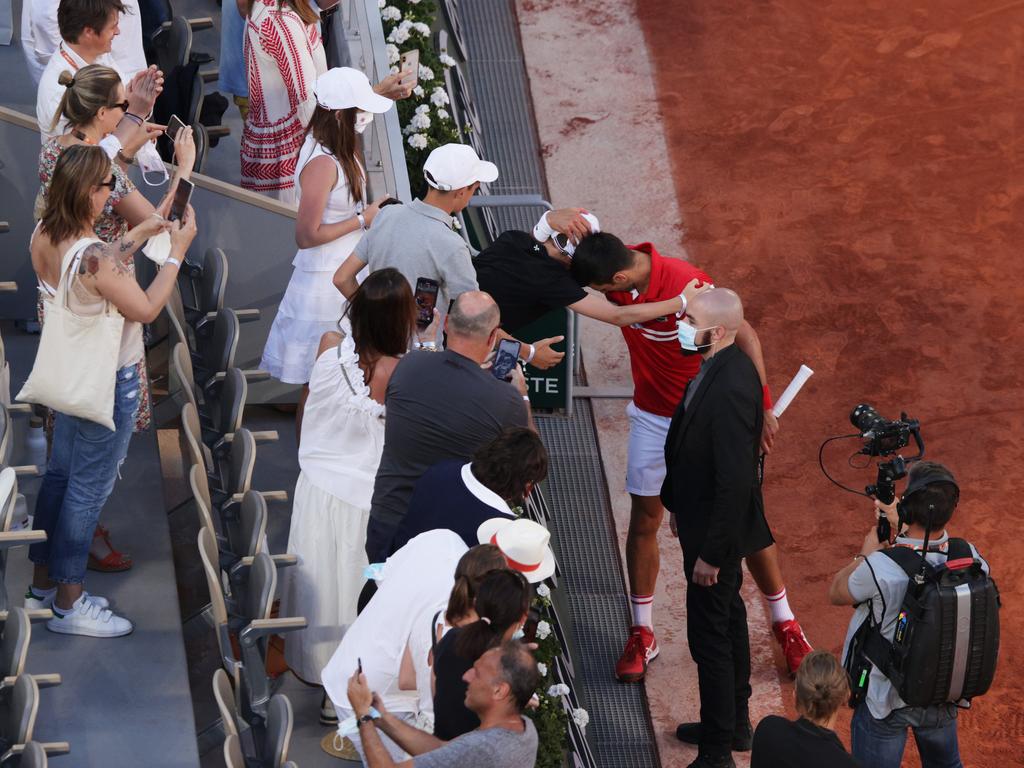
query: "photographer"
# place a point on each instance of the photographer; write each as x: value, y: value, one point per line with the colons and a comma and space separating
x: 875, y: 582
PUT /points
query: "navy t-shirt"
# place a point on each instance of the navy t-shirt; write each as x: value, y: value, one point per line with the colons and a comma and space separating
x: 440, y: 499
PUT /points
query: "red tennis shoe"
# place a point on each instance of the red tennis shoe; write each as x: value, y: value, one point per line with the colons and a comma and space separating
x: 794, y: 643
x: 641, y: 649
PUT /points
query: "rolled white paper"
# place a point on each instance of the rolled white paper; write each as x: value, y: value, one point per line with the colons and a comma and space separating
x: 791, y: 391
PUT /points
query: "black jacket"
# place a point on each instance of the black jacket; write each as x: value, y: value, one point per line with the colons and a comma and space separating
x: 712, y: 454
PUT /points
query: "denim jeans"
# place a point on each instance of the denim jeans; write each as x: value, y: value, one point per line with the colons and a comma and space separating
x: 79, y: 477
x: 880, y: 743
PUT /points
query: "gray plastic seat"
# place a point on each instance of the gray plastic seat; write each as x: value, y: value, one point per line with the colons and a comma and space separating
x: 218, y: 354
x: 280, y: 723
x: 17, y: 633
x: 224, y: 693
x: 252, y: 525
x: 18, y: 709
x: 33, y: 756
x: 233, y: 757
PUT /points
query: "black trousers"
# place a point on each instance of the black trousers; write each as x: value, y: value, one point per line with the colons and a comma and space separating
x: 716, y: 627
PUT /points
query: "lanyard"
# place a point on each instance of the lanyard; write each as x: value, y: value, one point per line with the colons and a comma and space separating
x: 68, y: 59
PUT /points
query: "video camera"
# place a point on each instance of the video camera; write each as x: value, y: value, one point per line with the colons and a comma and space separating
x: 883, y: 438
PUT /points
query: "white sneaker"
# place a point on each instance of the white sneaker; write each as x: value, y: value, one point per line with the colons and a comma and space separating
x: 88, y: 618
x: 33, y: 603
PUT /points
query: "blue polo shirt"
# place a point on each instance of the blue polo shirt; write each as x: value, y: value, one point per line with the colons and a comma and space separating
x: 448, y: 496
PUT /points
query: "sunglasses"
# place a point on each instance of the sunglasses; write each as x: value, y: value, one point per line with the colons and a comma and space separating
x: 122, y: 105
x: 111, y: 183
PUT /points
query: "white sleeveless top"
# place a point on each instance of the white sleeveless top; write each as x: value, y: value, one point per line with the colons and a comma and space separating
x: 342, y: 427
x: 340, y: 206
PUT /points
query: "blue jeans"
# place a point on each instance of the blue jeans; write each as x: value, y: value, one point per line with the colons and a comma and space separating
x: 79, y: 478
x: 880, y: 743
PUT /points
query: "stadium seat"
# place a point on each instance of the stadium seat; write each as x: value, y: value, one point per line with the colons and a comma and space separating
x: 253, y: 629
x: 33, y: 756
x: 209, y: 283
x: 17, y: 633
x: 9, y: 538
x: 19, y: 705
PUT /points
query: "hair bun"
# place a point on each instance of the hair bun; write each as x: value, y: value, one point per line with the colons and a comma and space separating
x: 66, y: 79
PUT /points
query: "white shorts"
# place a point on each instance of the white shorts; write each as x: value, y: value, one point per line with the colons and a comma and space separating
x: 645, y: 463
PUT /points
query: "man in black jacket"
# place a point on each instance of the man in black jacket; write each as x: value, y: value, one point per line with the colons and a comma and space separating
x: 713, y: 493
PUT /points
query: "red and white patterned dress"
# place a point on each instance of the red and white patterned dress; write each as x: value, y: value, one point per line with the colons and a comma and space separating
x: 284, y: 57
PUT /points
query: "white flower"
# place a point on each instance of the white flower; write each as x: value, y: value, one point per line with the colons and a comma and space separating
x: 390, y: 13
x: 580, y: 717
x: 447, y: 60
x: 422, y: 28
x: 542, y: 589
x: 558, y: 689
x: 399, y: 34
x: 543, y: 669
x: 439, y: 97
x: 418, y: 92
x: 392, y: 52
x: 381, y: 3
x: 420, y: 121
x: 426, y: 73
x: 442, y: 114
x: 543, y: 630
x: 418, y: 141
x: 422, y: 109
x: 415, y: 2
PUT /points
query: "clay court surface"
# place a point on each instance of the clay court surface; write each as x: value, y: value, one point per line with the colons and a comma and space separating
x: 851, y: 169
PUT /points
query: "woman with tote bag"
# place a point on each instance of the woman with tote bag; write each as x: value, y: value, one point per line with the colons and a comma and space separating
x: 85, y: 370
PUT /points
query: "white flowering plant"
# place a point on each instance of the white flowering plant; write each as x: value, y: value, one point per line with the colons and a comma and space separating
x: 425, y: 116
x: 549, y: 716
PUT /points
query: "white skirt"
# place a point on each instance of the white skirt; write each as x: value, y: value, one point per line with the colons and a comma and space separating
x: 329, y: 537
x: 310, y: 308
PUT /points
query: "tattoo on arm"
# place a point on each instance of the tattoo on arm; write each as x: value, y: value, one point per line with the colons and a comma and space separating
x: 90, y: 262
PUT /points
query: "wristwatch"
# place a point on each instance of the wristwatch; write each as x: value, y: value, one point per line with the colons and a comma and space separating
x: 367, y: 718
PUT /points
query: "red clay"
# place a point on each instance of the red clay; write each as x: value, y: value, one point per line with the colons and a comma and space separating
x: 850, y: 168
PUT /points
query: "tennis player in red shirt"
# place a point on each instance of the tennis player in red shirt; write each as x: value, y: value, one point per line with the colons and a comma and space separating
x: 637, y: 274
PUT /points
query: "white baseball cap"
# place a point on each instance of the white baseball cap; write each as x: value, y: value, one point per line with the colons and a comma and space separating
x: 524, y: 544
x: 344, y: 87
x: 454, y: 166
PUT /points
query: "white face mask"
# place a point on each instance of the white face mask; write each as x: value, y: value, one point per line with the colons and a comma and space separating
x: 151, y: 163
x: 363, y: 120
x: 688, y: 336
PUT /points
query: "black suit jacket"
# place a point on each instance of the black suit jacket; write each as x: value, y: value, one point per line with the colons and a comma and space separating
x: 711, y: 454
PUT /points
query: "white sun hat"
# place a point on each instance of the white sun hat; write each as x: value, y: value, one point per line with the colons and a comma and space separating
x: 524, y: 544
x: 344, y: 87
x: 454, y: 166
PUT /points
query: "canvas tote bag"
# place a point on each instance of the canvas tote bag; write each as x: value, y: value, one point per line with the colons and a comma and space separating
x: 75, y: 371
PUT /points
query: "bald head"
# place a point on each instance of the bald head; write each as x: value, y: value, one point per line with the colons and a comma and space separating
x: 719, y: 306
x: 474, y: 316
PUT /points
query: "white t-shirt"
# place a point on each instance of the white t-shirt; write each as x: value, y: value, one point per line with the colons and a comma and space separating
x: 40, y: 36
x: 882, y: 698
x: 414, y: 585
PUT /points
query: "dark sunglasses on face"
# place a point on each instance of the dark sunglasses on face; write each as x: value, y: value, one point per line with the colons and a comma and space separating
x: 122, y: 105
x: 111, y: 183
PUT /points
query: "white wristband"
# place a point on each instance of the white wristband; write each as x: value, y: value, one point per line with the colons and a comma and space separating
x: 529, y: 358
x: 542, y: 230
x: 526, y: 398
x: 362, y: 221
x: 172, y: 260
x: 682, y: 298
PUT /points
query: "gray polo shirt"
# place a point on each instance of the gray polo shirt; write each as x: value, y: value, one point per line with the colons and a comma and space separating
x: 494, y: 748
x: 418, y: 240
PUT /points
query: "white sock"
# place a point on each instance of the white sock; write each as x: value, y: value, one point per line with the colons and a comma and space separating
x: 780, y: 607
x: 39, y: 594
x: 643, y: 608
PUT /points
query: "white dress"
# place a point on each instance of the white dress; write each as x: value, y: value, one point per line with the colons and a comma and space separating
x: 342, y: 440
x: 311, y: 305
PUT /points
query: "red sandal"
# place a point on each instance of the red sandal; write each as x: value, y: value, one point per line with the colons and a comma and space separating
x: 114, y: 561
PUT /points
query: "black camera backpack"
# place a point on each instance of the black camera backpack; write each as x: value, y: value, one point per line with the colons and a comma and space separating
x: 946, y: 639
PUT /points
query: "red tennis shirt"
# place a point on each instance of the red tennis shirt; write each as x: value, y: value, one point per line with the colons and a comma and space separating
x: 660, y: 369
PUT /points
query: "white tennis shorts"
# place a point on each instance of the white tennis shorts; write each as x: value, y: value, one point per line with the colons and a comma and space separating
x: 645, y: 464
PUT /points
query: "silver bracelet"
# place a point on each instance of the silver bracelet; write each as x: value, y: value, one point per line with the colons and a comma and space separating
x: 529, y: 357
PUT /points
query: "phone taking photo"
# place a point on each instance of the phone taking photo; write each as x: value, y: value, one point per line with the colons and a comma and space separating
x: 174, y: 125
x: 181, y: 197
x: 410, y: 62
x: 505, y: 359
x: 426, y: 300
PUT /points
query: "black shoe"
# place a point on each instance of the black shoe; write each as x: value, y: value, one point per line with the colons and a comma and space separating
x: 742, y: 737
x: 712, y: 761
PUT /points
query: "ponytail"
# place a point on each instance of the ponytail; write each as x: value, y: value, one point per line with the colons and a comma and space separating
x: 502, y: 599
x: 472, y: 567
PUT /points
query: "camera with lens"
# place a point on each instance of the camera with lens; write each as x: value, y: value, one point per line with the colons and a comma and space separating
x: 883, y: 438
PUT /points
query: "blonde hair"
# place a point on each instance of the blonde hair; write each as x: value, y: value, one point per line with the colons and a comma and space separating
x: 821, y: 686
x: 86, y: 92
x: 68, y: 208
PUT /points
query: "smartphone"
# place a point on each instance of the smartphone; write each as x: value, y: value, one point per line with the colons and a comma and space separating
x: 174, y: 125
x: 181, y: 197
x: 410, y: 60
x: 426, y: 300
x: 360, y: 662
x: 505, y: 359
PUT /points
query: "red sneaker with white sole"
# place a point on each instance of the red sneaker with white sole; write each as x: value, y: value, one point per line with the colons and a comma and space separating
x: 794, y: 643
x: 641, y: 649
